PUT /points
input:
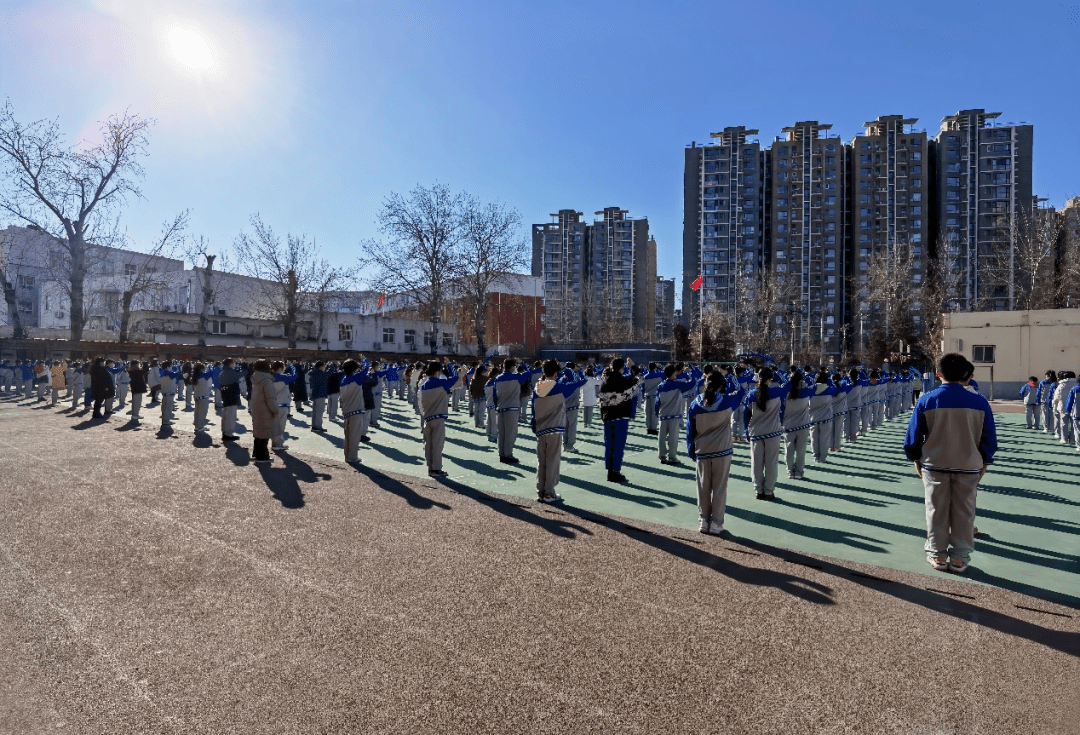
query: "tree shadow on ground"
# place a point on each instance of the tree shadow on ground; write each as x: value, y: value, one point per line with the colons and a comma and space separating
x: 518, y: 511
x: 284, y: 481
x: 399, y: 488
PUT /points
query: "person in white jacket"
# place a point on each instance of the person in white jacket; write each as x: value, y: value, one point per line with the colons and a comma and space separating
x: 589, y: 394
x: 1062, y: 420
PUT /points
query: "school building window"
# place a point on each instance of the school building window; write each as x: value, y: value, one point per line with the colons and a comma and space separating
x: 219, y: 327
x: 344, y: 332
x: 129, y: 269
x: 388, y: 334
x: 982, y: 353
x: 410, y: 336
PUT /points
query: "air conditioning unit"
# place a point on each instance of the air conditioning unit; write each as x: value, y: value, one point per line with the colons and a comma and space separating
x: 59, y: 315
x: 348, y: 344
x: 377, y: 346
x: 257, y: 333
x: 412, y: 347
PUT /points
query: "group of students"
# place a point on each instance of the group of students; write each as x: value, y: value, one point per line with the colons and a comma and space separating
x: 712, y: 407
x: 1053, y: 405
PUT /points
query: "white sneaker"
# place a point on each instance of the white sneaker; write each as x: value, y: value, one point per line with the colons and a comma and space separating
x: 704, y: 527
x: 716, y: 528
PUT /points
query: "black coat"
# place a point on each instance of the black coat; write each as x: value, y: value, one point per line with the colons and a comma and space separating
x: 101, y: 383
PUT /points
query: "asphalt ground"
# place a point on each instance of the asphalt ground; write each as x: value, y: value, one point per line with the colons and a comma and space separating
x: 159, y: 582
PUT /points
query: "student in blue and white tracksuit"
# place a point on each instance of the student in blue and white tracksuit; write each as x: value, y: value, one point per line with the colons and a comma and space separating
x: 435, y: 390
x: 203, y: 378
x: 489, y: 399
x: 951, y: 438
x: 764, y: 415
x: 549, y: 424
x: 651, y: 380
x: 1072, y: 408
x: 797, y: 424
x: 667, y: 405
x: 1029, y: 395
x: 708, y: 442
x: 508, y: 406
x: 1066, y: 382
x: 839, y: 411
x: 1042, y: 396
x: 821, y: 416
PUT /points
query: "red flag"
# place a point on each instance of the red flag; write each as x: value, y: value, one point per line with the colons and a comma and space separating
x: 382, y: 298
x: 696, y: 284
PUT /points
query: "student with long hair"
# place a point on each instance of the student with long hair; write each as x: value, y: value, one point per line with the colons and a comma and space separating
x: 263, y: 405
x: 764, y: 416
x: 708, y: 442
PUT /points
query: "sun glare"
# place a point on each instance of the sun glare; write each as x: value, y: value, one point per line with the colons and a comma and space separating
x: 190, y: 48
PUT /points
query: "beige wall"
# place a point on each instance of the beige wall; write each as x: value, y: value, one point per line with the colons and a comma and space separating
x: 1026, y: 343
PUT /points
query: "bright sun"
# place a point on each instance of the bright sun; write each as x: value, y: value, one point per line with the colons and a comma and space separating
x: 190, y: 48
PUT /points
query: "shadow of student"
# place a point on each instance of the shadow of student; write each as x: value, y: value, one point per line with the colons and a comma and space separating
x: 89, y: 423
x: 131, y: 425
x: 237, y: 454
x: 795, y: 585
x: 501, y: 472
x: 284, y: 481
x: 519, y: 512
x: 396, y: 487
x: 202, y: 440
x: 1066, y: 642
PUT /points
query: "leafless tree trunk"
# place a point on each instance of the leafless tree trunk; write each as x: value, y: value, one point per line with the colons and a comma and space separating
x: 7, y: 270
x: 146, y: 276
x: 70, y: 191
x: 490, y: 248
x: 417, y: 260
x: 1026, y: 269
x: 198, y: 251
x: 288, y: 273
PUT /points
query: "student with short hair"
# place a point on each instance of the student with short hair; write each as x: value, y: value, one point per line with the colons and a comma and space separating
x: 616, y: 399
x: 350, y: 387
x: 435, y: 392
x: 1029, y: 395
x: 263, y: 405
x: 951, y: 438
x: 1042, y: 397
x: 797, y: 424
x: 667, y: 405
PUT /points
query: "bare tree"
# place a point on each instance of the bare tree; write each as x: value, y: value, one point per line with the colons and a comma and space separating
x: 944, y: 292
x: 287, y: 273
x: 1023, y: 267
x: 417, y: 261
x: 8, y: 277
x: 490, y: 248
x: 70, y: 191
x: 197, y: 252
x: 143, y: 274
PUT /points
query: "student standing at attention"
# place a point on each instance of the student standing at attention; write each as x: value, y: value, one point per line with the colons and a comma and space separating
x: 708, y: 442
x: 764, y: 416
x: 951, y: 438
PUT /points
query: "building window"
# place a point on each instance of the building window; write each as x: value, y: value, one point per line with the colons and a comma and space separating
x: 982, y: 353
x: 25, y: 281
x: 129, y: 269
x: 410, y: 336
x: 344, y: 332
x: 219, y: 327
x: 447, y: 340
x: 429, y: 337
x: 388, y: 334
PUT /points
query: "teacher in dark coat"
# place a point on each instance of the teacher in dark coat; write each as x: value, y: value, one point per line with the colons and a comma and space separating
x: 101, y: 386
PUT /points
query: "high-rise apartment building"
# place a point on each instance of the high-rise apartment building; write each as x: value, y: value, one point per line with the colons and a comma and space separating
x: 598, y: 278
x: 983, y: 196
x: 808, y: 229
x: 890, y: 209
x: 723, y: 220
x: 665, y: 308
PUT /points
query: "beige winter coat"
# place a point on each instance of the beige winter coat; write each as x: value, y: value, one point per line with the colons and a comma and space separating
x: 263, y: 403
x: 58, y: 382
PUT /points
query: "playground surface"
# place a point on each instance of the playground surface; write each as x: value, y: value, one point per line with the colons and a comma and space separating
x: 160, y: 582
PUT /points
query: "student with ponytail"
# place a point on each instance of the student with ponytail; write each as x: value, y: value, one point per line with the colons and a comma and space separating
x: 764, y: 415
x: 708, y: 442
x: 797, y: 424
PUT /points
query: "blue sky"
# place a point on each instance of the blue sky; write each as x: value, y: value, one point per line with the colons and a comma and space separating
x: 310, y: 113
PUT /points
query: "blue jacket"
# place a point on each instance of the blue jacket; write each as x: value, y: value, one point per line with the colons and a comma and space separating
x: 951, y: 430
x: 317, y: 381
x: 1045, y: 385
x: 720, y: 431
x: 1072, y: 403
